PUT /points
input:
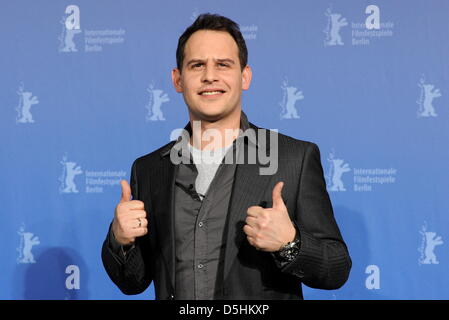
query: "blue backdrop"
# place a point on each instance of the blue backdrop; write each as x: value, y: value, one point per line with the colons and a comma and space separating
x: 86, y: 89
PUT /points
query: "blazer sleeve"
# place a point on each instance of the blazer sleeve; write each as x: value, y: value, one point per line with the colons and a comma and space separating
x: 131, y: 272
x: 323, y: 261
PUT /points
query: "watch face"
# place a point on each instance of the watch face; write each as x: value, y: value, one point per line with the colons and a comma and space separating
x: 289, y: 252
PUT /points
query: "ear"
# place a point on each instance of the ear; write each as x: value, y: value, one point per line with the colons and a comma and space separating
x: 246, y: 77
x: 176, y: 79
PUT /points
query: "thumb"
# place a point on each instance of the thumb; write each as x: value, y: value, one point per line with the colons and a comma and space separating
x: 278, y: 202
x: 126, y: 191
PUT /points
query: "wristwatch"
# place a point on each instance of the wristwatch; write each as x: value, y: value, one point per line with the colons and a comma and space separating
x: 289, y: 251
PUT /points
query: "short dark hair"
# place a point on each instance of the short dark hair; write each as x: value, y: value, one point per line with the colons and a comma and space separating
x: 215, y: 22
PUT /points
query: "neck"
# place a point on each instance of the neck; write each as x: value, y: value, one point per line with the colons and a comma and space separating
x: 211, y: 135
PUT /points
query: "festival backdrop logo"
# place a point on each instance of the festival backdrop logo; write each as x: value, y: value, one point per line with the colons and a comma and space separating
x: 372, y: 29
x: 291, y: 95
x: 70, y: 27
x: 364, y: 179
x: 429, y: 240
x: 94, y: 40
x: 363, y: 33
x: 95, y: 181
x: 27, y: 241
x: 425, y: 101
x: 337, y: 167
x: 26, y: 101
x: 155, y: 100
x: 335, y: 22
x: 70, y: 170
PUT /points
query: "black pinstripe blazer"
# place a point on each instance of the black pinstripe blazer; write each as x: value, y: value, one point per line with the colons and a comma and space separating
x: 323, y: 262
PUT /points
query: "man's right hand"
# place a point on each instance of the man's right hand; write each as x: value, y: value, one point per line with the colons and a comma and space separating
x: 130, y: 218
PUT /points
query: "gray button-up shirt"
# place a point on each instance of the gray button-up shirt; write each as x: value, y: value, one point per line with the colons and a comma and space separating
x: 200, y: 235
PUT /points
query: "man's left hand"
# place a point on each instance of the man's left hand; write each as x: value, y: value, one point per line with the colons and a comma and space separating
x: 268, y: 229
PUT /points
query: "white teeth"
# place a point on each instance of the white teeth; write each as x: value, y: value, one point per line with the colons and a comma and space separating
x: 209, y: 93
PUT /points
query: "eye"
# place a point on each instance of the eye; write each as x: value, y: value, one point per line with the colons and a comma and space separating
x: 197, y: 65
x: 223, y: 65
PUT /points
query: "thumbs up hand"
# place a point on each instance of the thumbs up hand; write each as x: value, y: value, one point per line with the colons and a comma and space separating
x: 130, y: 218
x: 268, y: 229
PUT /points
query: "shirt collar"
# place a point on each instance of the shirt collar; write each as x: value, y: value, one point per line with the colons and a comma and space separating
x: 177, y: 145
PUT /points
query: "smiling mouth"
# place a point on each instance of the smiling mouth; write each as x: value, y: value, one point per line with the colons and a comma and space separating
x: 207, y: 93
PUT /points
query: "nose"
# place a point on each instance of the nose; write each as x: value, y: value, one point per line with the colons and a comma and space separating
x: 209, y: 74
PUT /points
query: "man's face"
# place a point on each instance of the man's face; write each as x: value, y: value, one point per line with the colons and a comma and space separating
x: 212, y: 79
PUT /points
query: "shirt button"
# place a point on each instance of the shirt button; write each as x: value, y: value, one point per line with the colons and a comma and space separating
x: 200, y: 266
x: 200, y: 224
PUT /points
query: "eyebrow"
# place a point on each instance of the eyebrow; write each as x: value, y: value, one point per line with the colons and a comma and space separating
x: 217, y: 60
x: 226, y: 60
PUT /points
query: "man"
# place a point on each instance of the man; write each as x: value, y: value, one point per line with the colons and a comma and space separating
x: 220, y: 230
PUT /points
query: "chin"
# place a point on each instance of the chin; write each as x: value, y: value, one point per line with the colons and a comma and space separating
x: 211, y: 114
x: 212, y: 117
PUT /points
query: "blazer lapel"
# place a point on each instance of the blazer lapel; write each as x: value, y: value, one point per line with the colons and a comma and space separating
x: 248, y: 189
x: 165, y: 204
x: 164, y: 215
